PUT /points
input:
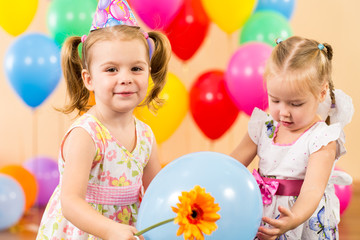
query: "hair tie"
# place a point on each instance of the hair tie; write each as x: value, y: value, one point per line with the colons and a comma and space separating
x: 278, y: 40
x: 146, y: 35
x: 320, y: 46
x: 83, y: 38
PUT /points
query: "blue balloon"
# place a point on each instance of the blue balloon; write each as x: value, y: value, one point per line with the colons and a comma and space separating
x: 285, y: 7
x: 12, y: 201
x: 227, y: 180
x: 32, y: 65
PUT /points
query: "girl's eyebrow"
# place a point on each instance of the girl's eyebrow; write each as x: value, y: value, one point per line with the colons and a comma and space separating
x: 107, y: 63
x: 271, y: 95
x: 114, y: 63
x: 289, y: 100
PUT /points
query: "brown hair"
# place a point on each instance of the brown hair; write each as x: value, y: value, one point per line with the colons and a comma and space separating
x: 73, y: 65
x: 303, y: 63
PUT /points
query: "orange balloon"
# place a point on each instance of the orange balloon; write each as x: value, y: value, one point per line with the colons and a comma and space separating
x: 26, y: 180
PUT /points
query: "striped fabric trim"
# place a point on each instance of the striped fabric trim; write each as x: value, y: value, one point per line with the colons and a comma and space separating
x: 107, y: 195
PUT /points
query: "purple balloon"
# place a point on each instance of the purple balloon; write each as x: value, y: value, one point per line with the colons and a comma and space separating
x: 244, y: 76
x: 46, y: 172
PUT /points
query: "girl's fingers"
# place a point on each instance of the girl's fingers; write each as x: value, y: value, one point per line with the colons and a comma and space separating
x: 284, y: 211
x: 268, y: 231
x: 263, y: 236
x: 273, y: 222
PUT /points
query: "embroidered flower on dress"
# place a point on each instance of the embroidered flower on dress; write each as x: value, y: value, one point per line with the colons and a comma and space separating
x: 319, y: 225
x: 124, y: 216
x: 111, y: 155
x: 68, y: 230
x: 121, y: 181
x: 270, y: 128
x: 104, y: 176
x: 101, y: 133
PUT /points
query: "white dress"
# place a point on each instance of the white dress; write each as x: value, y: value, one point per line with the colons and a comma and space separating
x: 290, y: 162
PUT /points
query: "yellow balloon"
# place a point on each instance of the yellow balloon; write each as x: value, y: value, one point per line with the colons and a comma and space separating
x: 168, y: 118
x: 16, y: 16
x: 229, y: 15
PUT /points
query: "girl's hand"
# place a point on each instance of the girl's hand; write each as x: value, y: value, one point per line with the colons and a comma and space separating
x: 284, y: 223
x: 123, y: 232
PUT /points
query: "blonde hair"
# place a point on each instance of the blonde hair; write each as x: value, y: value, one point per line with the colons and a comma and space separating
x: 303, y: 63
x: 73, y: 65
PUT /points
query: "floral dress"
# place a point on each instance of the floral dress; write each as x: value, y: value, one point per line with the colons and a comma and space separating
x: 115, y: 180
x: 280, y: 161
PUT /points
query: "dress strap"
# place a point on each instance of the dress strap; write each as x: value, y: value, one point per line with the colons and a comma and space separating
x: 117, y: 195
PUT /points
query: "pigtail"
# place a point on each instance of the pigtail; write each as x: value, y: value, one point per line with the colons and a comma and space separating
x: 329, y: 55
x: 329, y: 51
x: 72, y: 68
x: 159, y: 68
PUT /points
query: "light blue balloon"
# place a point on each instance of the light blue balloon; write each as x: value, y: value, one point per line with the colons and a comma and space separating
x: 12, y: 201
x: 227, y: 180
x: 32, y: 66
x: 285, y: 7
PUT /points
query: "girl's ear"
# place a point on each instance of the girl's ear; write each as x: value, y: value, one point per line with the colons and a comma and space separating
x: 85, y: 74
x: 324, y: 92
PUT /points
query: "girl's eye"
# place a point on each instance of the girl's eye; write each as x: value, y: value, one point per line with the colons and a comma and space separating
x: 275, y: 101
x: 112, y: 69
x: 297, y: 104
x: 136, y: 69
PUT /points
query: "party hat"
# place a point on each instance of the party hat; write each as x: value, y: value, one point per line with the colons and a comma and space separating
x: 113, y: 12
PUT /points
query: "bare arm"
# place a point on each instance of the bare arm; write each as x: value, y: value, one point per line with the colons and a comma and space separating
x: 79, y: 151
x: 152, y: 167
x: 246, y: 151
x: 312, y: 190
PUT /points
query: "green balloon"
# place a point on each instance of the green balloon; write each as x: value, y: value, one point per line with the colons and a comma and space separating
x: 266, y: 27
x: 70, y: 17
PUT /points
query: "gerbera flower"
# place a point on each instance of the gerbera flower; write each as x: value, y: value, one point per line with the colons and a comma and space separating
x: 196, y: 215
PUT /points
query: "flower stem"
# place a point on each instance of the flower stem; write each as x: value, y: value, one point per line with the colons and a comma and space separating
x: 154, y: 226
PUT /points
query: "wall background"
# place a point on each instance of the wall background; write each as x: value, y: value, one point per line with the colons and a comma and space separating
x: 26, y: 133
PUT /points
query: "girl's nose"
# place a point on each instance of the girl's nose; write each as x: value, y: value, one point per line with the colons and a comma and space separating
x: 125, y: 79
x: 126, y: 82
x: 284, y: 111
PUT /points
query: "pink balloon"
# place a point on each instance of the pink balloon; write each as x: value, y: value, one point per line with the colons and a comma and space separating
x: 244, y: 76
x: 119, y: 11
x: 157, y: 14
x: 344, y: 193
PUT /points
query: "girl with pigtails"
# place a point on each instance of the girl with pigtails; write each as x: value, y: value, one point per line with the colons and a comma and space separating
x: 298, y: 143
x: 107, y: 157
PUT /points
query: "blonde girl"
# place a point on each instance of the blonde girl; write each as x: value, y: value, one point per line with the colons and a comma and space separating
x: 298, y: 142
x: 107, y: 157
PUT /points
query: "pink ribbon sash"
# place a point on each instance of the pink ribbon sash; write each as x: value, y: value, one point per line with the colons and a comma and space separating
x: 113, y: 195
x: 270, y: 187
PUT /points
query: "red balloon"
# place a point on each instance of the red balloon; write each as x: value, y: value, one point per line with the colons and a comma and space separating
x: 188, y: 29
x: 210, y: 105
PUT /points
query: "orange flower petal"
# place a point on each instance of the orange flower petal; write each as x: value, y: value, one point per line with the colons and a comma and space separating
x: 196, y: 214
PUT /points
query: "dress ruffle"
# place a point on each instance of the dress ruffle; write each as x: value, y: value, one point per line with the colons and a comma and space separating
x: 257, y: 119
x: 325, y: 136
x: 343, y: 111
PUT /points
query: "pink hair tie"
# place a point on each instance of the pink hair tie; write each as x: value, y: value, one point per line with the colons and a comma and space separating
x: 83, y: 38
x: 146, y: 35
